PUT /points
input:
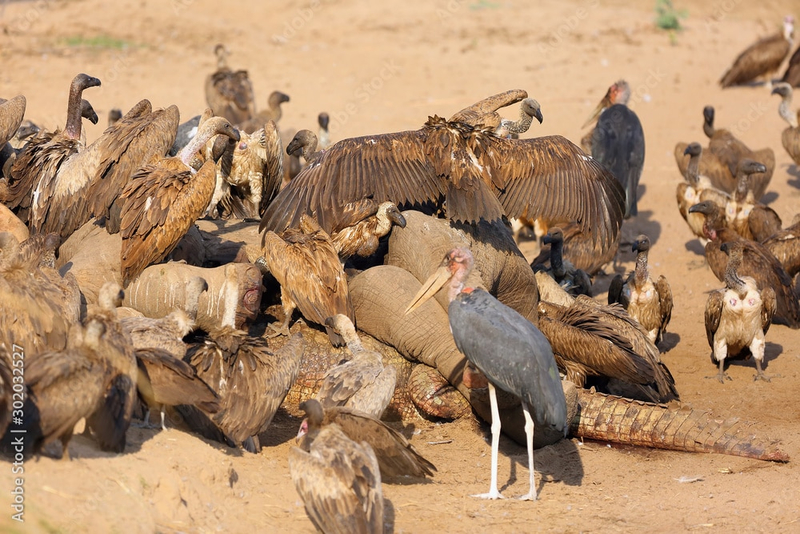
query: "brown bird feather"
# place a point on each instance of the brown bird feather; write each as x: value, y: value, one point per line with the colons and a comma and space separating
x: 229, y: 93
x: 272, y: 113
x: 762, y: 58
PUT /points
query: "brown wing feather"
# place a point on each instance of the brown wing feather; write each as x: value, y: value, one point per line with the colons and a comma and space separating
x: 665, y: 303
x: 713, y: 314
x: 710, y: 166
x: 339, y: 482
x: 769, y: 307
x: 396, y: 456
x: 550, y: 178
x: 483, y: 111
x: 308, y: 267
x: 230, y: 94
x: 161, y: 202
x: 273, y: 172
x: 132, y: 142
x: 785, y: 246
x: 762, y: 57
x: 11, y: 114
x: 392, y: 166
x: 792, y: 74
x: 174, y: 381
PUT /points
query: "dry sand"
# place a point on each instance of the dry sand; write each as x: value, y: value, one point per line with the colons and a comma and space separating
x: 386, y: 68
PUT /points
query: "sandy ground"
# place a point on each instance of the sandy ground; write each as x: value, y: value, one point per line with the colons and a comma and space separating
x: 381, y: 69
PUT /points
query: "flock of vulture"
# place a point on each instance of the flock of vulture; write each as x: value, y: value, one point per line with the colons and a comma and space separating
x: 136, y: 272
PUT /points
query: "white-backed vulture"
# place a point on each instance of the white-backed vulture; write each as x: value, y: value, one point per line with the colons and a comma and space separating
x: 738, y: 317
x: 785, y: 245
x: 574, y: 281
x: 647, y: 301
x: 697, y: 188
x: 762, y: 58
x: 163, y: 199
x: 747, y: 217
x: 272, y: 113
x: 229, y: 93
x: 359, y: 230
x: 790, y: 138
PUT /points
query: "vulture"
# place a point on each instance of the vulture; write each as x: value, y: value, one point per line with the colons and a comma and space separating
x: 573, y: 281
x: 785, y: 246
x: 110, y: 421
x: 272, y: 113
x: 761, y: 59
x: 359, y: 231
x: 251, y: 380
x: 697, y: 188
x: 63, y: 387
x: 396, y: 456
x: 362, y: 382
x: 338, y: 479
x: 618, y: 141
x: 164, y: 380
x: 323, y: 134
x: 792, y: 74
x: 229, y: 93
x: 11, y: 114
x: 114, y: 115
x: 748, y: 218
x: 601, y: 344
x: 162, y: 201
x: 758, y: 262
x: 33, y: 176
x: 464, y: 169
x: 484, y: 113
x: 738, y: 316
x: 646, y: 300
x: 791, y: 135
x: 305, y: 263
x: 730, y: 151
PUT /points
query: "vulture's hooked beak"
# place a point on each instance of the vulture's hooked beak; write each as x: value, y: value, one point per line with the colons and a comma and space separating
x: 429, y: 288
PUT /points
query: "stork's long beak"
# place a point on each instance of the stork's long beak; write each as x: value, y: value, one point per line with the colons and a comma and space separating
x: 429, y: 288
x: 596, y: 113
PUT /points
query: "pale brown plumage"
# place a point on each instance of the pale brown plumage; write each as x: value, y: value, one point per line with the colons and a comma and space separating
x: 164, y: 380
x: 168, y: 332
x: 579, y: 249
x: 63, y: 387
x: 484, y: 111
x: 229, y: 93
x: 785, y: 246
x: 33, y: 175
x: 590, y: 339
x: 11, y: 114
x: 758, y: 263
x: 363, y: 223
x: 467, y: 169
x: 162, y: 200
x: 361, y: 383
x: 307, y: 267
x: 792, y: 74
x: 790, y: 138
x: 251, y: 380
x: 249, y: 174
x: 110, y: 422
x: 696, y: 188
x: 731, y: 151
x: 738, y: 317
x: 339, y: 481
x: 745, y: 216
x: 272, y: 113
x: 396, y: 456
x: 35, y: 313
x: 646, y: 300
x: 712, y: 172
x: 762, y: 58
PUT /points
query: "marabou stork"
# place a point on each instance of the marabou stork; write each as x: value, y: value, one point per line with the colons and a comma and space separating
x: 507, y: 348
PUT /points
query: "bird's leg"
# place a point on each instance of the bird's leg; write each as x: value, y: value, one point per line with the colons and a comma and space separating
x: 493, y: 492
x: 163, y: 426
x: 757, y: 348
x: 288, y: 310
x: 531, y: 495
x: 720, y: 353
x: 760, y: 373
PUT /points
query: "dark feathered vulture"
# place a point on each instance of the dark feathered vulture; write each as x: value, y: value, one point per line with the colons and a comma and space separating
x: 697, y: 188
x: 251, y: 380
x: 762, y: 58
x: 229, y: 93
x: 396, y: 456
x: 574, y: 281
x: 738, y: 316
x: 466, y: 169
x: 758, y: 262
x: 790, y: 138
x: 746, y: 216
x: 507, y: 348
x: 785, y: 245
x: 338, y: 479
